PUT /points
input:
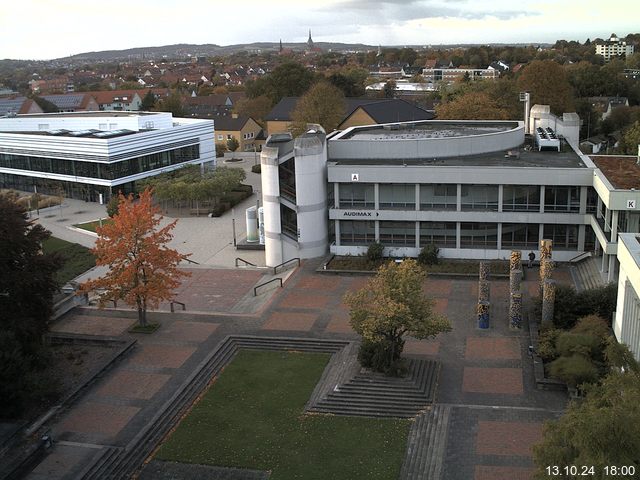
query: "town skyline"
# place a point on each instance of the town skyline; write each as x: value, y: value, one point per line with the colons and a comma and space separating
x: 382, y: 22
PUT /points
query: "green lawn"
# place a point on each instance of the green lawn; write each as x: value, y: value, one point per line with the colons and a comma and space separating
x: 252, y: 417
x: 76, y: 258
x: 91, y: 226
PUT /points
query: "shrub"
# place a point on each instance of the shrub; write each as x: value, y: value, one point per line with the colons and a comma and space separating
x: 574, y: 370
x: 601, y: 301
x: 256, y: 168
x: 592, y: 325
x: 375, y: 251
x: 428, y: 255
x: 232, y: 144
x: 547, y: 344
x: 112, y: 206
x: 585, y: 344
x: 220, y: 149
x: 382, y: 356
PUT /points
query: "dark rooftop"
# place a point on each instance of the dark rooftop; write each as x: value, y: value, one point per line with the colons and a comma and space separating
x: 622, y: 172
x: 439, y: 129
x: 521, y: 158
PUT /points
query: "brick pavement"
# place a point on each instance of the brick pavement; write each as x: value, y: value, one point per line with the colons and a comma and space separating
x: 485, y: 376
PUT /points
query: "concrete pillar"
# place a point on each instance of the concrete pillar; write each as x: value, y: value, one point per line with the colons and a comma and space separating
x: 546, y: 248
x: 583, y: 200
x: 515, y: 310
x: 271, y: 203
x: 614, y: 226
x: 500, y: 198
x: 581, y: 237
x: 336, y: 195
x: 605, y: 262
x: 599, y: 208
x: 548, y: 302
x: 458, y: 234
x: 483, y: 314
x: 515, y: 279
x: 376, y: 196
x: 607, y: 220
x: 515, y: 260
x: 337, y: 229
x: 483, y: 282
x: 499, y: 235
x: 417, y: 196
x: 459, y: 198
x: 547, y: 266
x: 541, y: 202
x: 417, y: 242
x: 611, y: 276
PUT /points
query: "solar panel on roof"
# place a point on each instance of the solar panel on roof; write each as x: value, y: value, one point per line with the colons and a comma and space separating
x: 81, y: 133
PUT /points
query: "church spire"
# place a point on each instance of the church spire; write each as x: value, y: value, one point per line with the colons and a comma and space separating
x: 310, y: 42
x: 280, y: 45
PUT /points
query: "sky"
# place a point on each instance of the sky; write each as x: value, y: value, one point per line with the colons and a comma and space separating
x: 47, y: 29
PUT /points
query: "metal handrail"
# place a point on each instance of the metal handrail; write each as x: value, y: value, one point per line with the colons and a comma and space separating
x: 245, y: 262
x: 184, y: 307
x: 583, y: 254
x: 284, y: 263
x: 255, y: 289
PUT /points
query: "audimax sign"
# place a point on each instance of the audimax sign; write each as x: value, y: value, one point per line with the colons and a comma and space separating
x: 359, y: 213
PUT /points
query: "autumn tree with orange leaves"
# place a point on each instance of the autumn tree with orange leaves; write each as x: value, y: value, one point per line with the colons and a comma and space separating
x: 143, y: 271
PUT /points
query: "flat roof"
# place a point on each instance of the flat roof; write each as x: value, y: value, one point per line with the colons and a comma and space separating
x: 622, y: 171
x: 567, y: 158
x: 428, y: 129
x: 89, y: 133
x: 101, y: 113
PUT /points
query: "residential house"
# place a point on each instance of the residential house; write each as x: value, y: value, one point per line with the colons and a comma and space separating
x: 73, y: 102
x: 119, y: 100
x: 244, y: 129
x: 358, y: 111
x: 18, y: 105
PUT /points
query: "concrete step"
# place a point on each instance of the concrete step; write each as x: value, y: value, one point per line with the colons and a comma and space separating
x: 426, y: 445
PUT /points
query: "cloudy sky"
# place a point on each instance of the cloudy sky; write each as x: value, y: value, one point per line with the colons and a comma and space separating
x: 45, y: 29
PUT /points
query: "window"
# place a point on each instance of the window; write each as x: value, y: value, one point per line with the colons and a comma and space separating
x: 564, y: 237
x: 356, y: 195
x: 441, y: 234
x: 354, y: 232
x: 479, y: 235
x: 521, y: 198
x: 480, y: 197
x: 289, y: 222
x: 229, y: 136
x: 398, y: 196
x: 401, y: 234
x: 438, y: 197
x: 220, y: 136
x: 561, y: 199
x: 520, y: 235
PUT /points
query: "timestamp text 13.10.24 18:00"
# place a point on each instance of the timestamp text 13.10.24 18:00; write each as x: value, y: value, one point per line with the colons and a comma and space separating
x: 617, y: 471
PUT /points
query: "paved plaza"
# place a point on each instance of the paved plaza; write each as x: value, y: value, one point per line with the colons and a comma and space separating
x: 486, y: 378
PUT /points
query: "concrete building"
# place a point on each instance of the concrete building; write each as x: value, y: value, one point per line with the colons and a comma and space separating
x: 476, y: 189
x: 93, y: 154
x: 626, y: 325
x: 614, y: 47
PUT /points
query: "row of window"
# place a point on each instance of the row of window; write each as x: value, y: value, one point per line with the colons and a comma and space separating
x: 105, y: 171
x: 443, y: 234
x: 515, y: 198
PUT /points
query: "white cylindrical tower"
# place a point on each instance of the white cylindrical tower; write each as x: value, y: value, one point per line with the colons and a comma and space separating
x: 252, y: 224
x: 311, y: 194
x: 271, y: 205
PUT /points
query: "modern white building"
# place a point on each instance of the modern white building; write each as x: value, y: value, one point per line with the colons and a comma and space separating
x: 475, y: 189
x: 626, y: 325
x: 93, y: 154
x: 614, y: 47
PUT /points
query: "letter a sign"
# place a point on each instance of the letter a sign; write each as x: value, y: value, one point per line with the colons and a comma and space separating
x: 355, y: 177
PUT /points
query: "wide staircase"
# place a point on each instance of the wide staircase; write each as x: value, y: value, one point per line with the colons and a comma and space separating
x: 377, y: 395
x: 586, y: 274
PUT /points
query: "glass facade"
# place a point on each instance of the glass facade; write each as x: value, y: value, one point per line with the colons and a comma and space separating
x: 401, y: 234
x: 480, y: 197
x: 103, y: 171
x: 562, y: 199
x: 520, y: 235
x: 521, y: 198
x: 479, y: 235
x: 438, y: 197
x: 353, y: 232
x: 289, y: 222
x: 441, y: 234
x: 356, y: 195
x: 397, y: 196
x: 564, y: 237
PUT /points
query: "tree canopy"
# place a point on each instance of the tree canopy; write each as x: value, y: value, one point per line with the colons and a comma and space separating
x: 323, y: 104
x: 392, y: 304
x: 289, y: 79
x: 143, y: 270
x: 471, y: 106
x: 548, y: 84
x: 604, y: 429
x: 27, y: 287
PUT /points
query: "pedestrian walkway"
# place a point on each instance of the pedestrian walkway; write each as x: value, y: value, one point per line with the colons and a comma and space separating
x: 490, y: 413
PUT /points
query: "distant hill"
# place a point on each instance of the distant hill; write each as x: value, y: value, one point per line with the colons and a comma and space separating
x: 184, y: 49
